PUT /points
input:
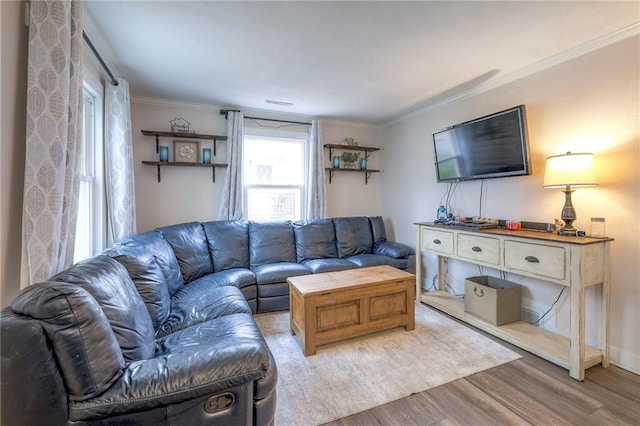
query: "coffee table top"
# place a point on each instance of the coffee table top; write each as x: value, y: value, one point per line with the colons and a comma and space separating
x: 350, y: 278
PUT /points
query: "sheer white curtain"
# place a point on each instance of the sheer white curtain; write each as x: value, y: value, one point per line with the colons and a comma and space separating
x: 232, y: 203
x: 316, y: 196
x: 52, y: 162
x: 120, y: 188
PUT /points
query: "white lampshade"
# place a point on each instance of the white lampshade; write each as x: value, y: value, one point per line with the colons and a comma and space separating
x: 570, y: 169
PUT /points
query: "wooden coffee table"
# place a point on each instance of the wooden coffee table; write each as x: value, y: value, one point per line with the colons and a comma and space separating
x: 335, y: 306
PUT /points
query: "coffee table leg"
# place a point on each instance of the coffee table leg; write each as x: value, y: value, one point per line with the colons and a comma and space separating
x: 309, y: 346
x: 411, y: 310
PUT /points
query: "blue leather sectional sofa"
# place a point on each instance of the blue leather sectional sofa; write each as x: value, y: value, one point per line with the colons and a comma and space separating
x: 159, y: 330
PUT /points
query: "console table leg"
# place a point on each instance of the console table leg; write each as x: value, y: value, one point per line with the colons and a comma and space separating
x: 576, y: 352
x: 418, y: 264
x: 604, y: 313
x: 441, y: 272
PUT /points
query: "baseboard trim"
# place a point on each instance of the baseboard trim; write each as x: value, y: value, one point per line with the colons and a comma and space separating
x: 625, y: 359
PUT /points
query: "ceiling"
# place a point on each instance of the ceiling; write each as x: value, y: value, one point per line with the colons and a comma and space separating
x: 370, y: 62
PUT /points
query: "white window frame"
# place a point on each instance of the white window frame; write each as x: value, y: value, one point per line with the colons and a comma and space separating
x: 93, y: 90
x: 283, y: 135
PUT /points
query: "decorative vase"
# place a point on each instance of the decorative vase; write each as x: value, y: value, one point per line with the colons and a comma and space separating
x: 363, y: 164
x: 335, y: 162
x: 206, y: 155
x: 164, y: 153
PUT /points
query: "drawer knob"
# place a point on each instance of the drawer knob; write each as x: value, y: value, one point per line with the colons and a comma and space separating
x: 478, y: 293
x: 532, y: 259
x: 437, y: 241
x: 476, y: 249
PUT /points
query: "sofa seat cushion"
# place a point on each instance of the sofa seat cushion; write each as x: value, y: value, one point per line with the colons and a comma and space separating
x: 110, y: 285
x: 328, y: 265
x: 278, y: 272
x: 271, y: 242
x: 353, y: 236
x: 200, y: 304
x: 189, y: 244
x: 194, y: 362
x: 315, y: 239
x: 153, y: 242
x: 237, y: 277
x: 364, y: 260
x: 393, y: 249
x: 228, y: 242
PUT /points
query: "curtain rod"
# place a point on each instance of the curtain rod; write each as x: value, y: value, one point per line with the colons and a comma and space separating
x: 225, y: 112
x: 99, y: 58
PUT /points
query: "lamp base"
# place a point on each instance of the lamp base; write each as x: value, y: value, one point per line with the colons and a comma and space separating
x: 568, y: 215
x: 567, y: 231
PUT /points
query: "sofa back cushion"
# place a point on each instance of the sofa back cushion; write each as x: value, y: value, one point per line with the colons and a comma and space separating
x: 109, y: 284
x: 315, y: 239
x: 189, y: 244
x: 148, y: 279
x: 353, y: 236
x: 271, y: 242
x: 85, y: 346
x: 228, y: 242
x: 378, y: 230
x: 154, y: 243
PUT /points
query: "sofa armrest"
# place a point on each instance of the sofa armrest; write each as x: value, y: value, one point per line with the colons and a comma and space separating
x: 200, y: 360
x: 32, y: 391
x: 393, y: 249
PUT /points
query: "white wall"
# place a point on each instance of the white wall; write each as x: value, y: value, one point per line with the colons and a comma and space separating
x: 347, y: 195
x: 188, y: 194
x: 588, y: 104
x: 13, y: 83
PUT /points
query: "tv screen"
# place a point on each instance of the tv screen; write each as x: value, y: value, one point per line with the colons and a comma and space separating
x: 492, y: 146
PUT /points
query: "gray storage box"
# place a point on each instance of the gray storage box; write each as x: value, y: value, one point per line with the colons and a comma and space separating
x: 494, y: 300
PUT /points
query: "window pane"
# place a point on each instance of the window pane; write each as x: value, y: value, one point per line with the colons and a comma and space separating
x: 273, y: 161
x: 274, y: 178
x: 83, y: 227
x: 273, y: 203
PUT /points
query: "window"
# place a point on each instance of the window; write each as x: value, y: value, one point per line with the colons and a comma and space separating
x: 90, y: 224
x: 274, y: 170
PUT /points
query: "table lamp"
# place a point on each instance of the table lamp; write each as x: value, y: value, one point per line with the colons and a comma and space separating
x: 569, y: 170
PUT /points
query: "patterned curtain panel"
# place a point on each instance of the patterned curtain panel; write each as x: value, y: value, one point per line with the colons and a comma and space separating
x: 121, y: 203
x: 232, y: 205
x: 54, y: 114
x: 316, y: 200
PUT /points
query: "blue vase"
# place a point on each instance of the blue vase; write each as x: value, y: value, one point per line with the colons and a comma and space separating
x: 363, y: 164
x: 335, y: 162
x: 164, y: 153
x: 206, y: 155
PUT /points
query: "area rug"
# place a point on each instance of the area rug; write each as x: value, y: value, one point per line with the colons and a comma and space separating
x: 358, y: 374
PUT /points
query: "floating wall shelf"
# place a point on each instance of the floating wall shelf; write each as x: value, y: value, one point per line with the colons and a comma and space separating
x: 367, y: 151
x: 160, y: 164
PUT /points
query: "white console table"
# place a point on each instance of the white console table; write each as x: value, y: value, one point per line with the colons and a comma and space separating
x: 576, y: 263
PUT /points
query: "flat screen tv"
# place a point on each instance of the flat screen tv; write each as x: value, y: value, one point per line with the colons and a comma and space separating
x: 492, y: 146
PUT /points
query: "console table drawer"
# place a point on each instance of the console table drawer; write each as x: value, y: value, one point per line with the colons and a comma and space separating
x: 481, y: 249
x: 438, y: 241
x: 542, y: 260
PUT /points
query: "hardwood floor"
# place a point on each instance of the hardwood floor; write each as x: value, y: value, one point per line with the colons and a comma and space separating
x: 527, y: 391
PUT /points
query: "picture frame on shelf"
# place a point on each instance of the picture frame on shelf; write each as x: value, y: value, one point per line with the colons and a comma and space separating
x: 185, y: 151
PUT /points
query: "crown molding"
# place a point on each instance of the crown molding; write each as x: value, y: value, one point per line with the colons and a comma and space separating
x: 580, y: 50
